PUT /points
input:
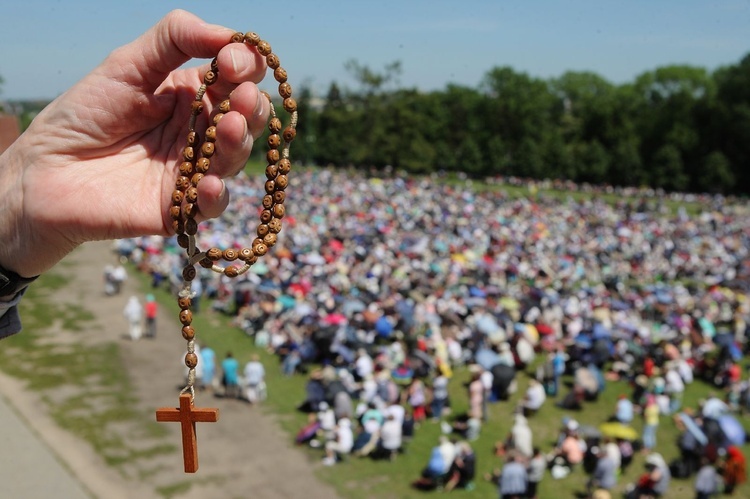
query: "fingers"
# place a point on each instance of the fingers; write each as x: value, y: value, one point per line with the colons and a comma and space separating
x: 238, y: 63
x: 234, y: 141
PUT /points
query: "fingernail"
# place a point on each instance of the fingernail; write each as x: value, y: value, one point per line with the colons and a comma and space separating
x: 234, y: 63
x: 259, y: 105
x: 245, y: 133
x: 223, y: 190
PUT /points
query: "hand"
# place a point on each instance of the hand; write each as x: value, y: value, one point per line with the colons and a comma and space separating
x: 100, y: 162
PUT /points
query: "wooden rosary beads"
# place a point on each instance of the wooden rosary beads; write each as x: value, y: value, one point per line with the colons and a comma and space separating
x: 196, y: 161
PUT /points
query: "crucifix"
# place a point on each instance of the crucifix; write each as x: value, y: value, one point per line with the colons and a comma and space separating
x: 187, y: 416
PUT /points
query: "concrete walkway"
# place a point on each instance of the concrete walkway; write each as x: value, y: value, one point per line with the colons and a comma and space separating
x: 28, y: 468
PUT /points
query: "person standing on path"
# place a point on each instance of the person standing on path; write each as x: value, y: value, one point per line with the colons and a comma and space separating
x: 255, y: 375
x: 152, y: 309
x: 230, y: 379
x: 133, y: 312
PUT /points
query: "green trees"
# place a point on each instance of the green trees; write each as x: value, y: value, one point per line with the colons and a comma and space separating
x: 677, y: 127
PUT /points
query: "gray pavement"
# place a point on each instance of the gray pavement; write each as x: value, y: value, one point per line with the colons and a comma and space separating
x: 29, y: 469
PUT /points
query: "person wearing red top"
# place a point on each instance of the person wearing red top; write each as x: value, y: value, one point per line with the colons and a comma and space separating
x: 151, y: 309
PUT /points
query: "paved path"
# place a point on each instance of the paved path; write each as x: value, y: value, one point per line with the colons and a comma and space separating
x: 24, y: 458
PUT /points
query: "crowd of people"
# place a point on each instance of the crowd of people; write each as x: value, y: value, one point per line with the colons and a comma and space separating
x: 379, y: 288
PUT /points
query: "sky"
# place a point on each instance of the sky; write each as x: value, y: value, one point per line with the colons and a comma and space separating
x: 48, y: 45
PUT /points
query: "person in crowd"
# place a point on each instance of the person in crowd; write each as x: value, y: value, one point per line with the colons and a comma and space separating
x: 733, y: 469
x: 535, y: 472
x: 341, y: 445
x: 463, y: 469
x: 534, y: 398
x: 707, y: 480
x: 513, y: 478
x: 605, y: 471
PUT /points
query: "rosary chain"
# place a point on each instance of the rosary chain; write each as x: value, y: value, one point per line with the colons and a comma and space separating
x: 196, y: 162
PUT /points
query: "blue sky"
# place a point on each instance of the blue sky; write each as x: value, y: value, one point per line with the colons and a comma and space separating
x: 47, y: 45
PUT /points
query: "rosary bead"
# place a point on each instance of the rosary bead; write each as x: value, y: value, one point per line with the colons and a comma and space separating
x: 191, y: 227
x: 271, y: 172
x: 279, y: 211
x: 184, y: 302
x: 182, y: 182
x: 186, y: 317
x: 256, y: 242
x: 285, y: 90
x: 231, y: 271
x: 238, y: 37
x: 217, y: 118
x: 274, y: 141
x: 267, y: 201
x: 191, y: 210
x: 210, y: 78
x: 191, y: 360
x: 290, y: 105
x: 245, y: 254
x: 183, y: 241
x: 188, y: 273
x: 224, y: 106
x: 274, y: 125
x: 178, y: 226
x: 260, y: 249
x: 192, y: 138
x: 263, y: 229
x: 188, y: 153
x: 211, y: 134
x: 264, y: 48
x: 272, y: 156
x: 196, y: 178
x: 252, y: 38
x: 230, y: 254
x: 282, y: 181
x: 279, y: 197
x: 289, y: 134
x: 273, y: 61
x: 274, y: 226
x: 186, y: 168
x: 215, y: 254
x: 188, y: 332
x: 201, y: 166
x: 270, y: 239
x: 177, y: 197
x: 285, y: 166
x: 175, y: 212
x: 215, y: 65
x: 280, y: 74
x: 196, y: 107
x: 206, y: 263
x: 191, y: 194
x: 270, y: 186
x: 207, y: 149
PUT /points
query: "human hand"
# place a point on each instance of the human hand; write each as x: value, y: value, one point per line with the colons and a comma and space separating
x: 100, y: 162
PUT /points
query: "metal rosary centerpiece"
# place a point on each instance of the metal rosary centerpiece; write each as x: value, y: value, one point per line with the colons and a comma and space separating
x: 196, y: 162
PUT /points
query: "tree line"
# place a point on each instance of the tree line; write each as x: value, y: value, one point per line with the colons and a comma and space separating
x: 678, y: 127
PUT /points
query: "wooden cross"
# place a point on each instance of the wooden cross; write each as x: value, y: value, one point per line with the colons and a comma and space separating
x: 187, y: 416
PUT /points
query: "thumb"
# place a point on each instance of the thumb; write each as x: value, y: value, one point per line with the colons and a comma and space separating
x: 176, y: 38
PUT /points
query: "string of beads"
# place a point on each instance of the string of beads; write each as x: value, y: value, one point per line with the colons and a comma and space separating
x: 196, y: 162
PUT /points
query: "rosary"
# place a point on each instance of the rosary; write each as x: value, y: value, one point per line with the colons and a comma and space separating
x: 196, y: 160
